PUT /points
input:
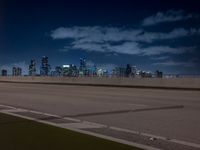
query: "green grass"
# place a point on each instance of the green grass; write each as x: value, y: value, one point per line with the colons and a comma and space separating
x: 21, y: 134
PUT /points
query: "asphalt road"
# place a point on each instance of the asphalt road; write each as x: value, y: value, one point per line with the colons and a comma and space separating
x: 142, y: 110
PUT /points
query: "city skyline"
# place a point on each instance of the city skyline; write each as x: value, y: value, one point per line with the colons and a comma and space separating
x: 84, y: 69
x: 153, y: 35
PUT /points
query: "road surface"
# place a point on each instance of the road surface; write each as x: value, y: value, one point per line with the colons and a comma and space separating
x: 173, y: 114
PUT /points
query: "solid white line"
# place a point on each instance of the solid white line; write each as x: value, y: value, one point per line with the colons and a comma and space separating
x: 72, y: 119
x: 82, y: 125
x: 11, y: 107
x: 185, y: 143
x: 14, y: 110
x: 158, y: 137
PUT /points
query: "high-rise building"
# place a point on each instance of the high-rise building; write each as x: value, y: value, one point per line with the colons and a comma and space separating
x: 58, y: 71
x: 159, y: 74
x: 133, y: 71
x: 66, y: 70
x: 74, y: 70
x: 102, y: 73
x: 128, y: 70
x: 145, y: 74
x: 82, y: 63
x: 83, y: 69
x: 4, y: 72
x: 16, y: 71
x: 119, y: 72
x: 45, y: 67
x: 92, y: 70
x: 70, y: 70
x: 32, y: 68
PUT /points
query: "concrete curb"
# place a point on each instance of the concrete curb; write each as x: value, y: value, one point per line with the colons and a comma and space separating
x: 145, y: 147
x: 107, y: 85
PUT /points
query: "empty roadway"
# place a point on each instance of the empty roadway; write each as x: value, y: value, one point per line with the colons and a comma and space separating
x: 143, y: 110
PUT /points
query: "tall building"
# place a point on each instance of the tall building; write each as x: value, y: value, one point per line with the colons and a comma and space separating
x: 128, y: 70
x: 119, y: 72
x: 66, y: 70
x: 145, y: 74
x: 74, y: 70
x: 58, y: 71
x: 16, y: 71
x: 133, y: 71
x: 159, y: 74
x: 82, y: 63
x: 92, y: 70
x: 70, y: 70
x: 4, y: 72
x: 83, y: 69
x: 102, y: 73
x: 45, y: 67
x: 32, y: 68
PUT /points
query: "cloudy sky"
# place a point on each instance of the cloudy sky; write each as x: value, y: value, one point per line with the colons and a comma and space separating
x: 152, y: 34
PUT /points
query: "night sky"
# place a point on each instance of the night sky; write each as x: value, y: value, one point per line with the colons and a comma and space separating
x: 152, y: 35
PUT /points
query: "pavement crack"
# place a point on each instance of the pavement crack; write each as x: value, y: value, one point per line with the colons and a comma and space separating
x: 126, y: 111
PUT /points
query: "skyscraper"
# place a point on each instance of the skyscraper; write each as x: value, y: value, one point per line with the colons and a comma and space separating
x: 133, y: 71
x: 66, y: 70
x: 159, y: 74
x: 74, y: 70
x: 16, y: 71
x: 58, y: 71
x: 4, y: 72
x: 119, y: 72
x: 82, y: 68
x: 128, y: 70
x: 82, y: 63
x: 70, y: 70
x: 92, y: 70
x: 32, y: 68
x: 45, y: 67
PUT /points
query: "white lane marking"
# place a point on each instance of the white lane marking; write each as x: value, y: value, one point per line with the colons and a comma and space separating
x: 14, y: 110
x: 6, y: 106
x: 186, y: 143
x: 124, y: 130
x: 158, y: 137
x: 143, y: 105
x: 72, y: 119
x: 42, y: 113
x: 83, y: 125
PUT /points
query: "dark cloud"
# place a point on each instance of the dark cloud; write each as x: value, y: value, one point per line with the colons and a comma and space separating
x: 169, y: 16
x: 99, y: 39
